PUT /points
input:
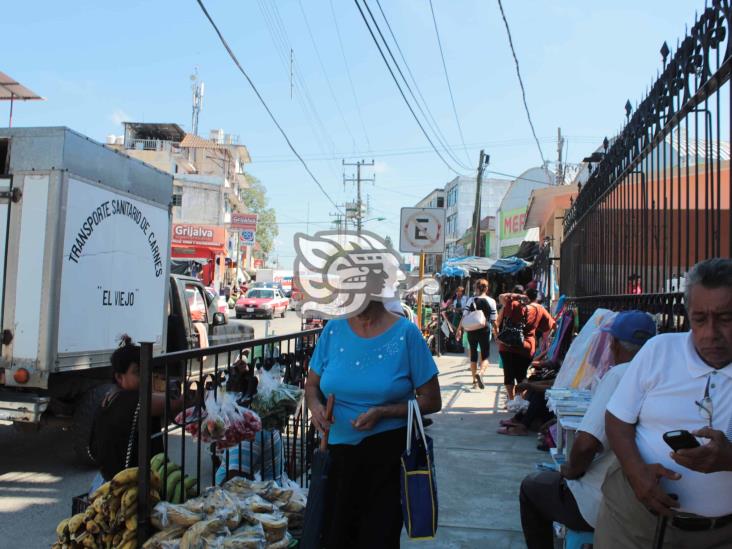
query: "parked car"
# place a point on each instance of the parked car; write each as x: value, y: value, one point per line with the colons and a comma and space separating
x: 220, y: 300
x: 265, y: 302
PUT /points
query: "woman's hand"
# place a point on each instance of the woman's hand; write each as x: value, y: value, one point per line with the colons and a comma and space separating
x: 367, y: 420
x: 319, y: 419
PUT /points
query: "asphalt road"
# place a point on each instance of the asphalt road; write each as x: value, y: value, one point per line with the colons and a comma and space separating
x: 39, y: 475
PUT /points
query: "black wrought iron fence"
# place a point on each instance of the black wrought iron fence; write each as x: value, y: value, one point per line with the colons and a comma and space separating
x: 658, y: 198
x: 172, y: 416
x: 669, y: 309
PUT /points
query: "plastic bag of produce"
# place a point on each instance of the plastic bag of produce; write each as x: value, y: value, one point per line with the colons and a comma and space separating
x: 223, y: 421
x: 250, y: 536
x: 201, y: 534
x: 275, y: 400
x: 161, y: 539
x: 165, y: 515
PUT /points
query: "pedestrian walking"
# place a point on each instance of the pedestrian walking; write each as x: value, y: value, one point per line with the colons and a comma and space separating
x: 483, y: 308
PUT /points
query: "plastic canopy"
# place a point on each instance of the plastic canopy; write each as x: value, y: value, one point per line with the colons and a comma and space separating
x: 465, y: 266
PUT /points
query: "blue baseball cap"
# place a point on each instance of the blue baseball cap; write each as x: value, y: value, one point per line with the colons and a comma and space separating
x: 634, y: 327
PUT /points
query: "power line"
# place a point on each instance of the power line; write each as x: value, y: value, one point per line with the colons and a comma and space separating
x: 521, y: 82
x: 429, y: 118
x: 447, y: 78
x: 348, y: 73
x: 404, y: 97
x: 325, y: 73
x: 264, y: 103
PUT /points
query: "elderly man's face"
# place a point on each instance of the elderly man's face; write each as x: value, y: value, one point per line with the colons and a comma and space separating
x: 710, y: 312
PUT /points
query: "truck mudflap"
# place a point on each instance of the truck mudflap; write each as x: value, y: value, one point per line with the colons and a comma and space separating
x: 24, y: 407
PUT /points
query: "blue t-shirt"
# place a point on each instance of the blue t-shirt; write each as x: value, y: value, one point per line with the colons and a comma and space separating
x: 367, y: 372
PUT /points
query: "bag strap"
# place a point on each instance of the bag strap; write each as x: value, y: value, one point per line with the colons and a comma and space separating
x: 414, y: 416
x: 128, y: 457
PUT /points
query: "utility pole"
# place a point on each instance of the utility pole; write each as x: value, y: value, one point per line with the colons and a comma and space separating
x: 358, y: 180
x: 560, y: 167
x: 482, y: 165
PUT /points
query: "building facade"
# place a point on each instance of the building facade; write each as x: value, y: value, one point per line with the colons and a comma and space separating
x: 208, y: 184
x: 460, y: 207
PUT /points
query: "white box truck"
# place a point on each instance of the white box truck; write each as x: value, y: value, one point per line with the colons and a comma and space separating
x: 84, y: 258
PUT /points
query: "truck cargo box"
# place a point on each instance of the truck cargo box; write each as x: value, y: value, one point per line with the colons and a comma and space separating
x: 84, y: 252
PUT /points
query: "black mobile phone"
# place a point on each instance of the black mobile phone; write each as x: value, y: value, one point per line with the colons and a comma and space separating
x: 680, y: 440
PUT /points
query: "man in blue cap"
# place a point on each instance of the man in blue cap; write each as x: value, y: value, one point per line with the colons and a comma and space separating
x: 572, y: 495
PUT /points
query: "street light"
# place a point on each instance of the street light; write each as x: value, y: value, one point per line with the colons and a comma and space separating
x: 374, y: 219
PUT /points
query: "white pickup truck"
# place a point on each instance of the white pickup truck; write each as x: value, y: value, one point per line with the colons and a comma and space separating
x: 85, y: 258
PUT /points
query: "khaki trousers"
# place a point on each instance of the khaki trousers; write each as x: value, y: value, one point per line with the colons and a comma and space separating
x: 624, y: 522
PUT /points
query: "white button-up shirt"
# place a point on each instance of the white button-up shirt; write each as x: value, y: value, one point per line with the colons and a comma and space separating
x: 587, y: 489
x: 658, y: 394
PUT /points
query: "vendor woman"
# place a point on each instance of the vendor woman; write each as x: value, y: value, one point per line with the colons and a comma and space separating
x: 114, y: 441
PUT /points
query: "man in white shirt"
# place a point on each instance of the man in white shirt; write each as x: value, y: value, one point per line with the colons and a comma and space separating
x: 676, y: 382
x: 572, y: 495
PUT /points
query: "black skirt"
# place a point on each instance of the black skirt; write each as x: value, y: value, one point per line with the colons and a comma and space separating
x: 363, y: 501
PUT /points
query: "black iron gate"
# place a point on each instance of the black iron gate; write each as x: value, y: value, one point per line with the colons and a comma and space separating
x: 658, y: 198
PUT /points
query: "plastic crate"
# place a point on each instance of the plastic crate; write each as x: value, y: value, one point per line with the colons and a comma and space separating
x: 79, y: 504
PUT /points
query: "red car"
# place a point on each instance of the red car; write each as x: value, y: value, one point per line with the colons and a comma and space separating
x: 265, y: 302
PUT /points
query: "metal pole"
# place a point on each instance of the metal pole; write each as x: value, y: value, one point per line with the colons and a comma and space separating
x: 10, y: 122
x: 419, y: 294
x: 143, y: 442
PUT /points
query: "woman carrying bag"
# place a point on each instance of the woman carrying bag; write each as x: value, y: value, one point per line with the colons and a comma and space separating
x: 374, y: 364
x: 478, y: 321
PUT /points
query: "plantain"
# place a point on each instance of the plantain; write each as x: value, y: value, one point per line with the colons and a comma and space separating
x: 113, y: 506
x: 155, y: 481
x: 92, y: 527
x: 62, y: 530
x: 103, y: 490
x: 154, y: 496
x: 129, y: 512
x: 177, y: 495
x: 129, y: 497
x: 126, y: 476
x: 75, y: 522
x: 130, y: 544
x: 128, y: 535
x: 117, y: 539
x: 131, y: 522
x: 189, y: 483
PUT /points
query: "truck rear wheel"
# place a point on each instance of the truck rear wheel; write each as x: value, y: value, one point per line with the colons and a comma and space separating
x: 84, y: 413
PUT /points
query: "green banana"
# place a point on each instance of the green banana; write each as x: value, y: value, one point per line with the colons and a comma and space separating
x: 189, y: 487
x: 173, y: 480
x: 172, y: 468
x: 157, y: 461
x: 176, y: 494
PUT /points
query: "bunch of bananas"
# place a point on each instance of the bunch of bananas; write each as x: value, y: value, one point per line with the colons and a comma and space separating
x: 178, y: 487
x: 110, y: 521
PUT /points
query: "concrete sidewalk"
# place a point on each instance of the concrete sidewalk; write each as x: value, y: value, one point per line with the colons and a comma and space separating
x: 478, y: 470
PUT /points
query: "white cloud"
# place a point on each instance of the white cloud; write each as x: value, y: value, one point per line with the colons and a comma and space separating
x: 119, y: 116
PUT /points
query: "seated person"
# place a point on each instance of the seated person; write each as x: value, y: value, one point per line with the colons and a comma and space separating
x: 572, y: 495
x: 533, y: 390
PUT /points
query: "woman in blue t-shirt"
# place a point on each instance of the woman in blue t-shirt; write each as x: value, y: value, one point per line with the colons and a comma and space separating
x: 373, y: 363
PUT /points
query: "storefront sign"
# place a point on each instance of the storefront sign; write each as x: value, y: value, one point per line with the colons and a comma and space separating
x: 243, y: 221
x: 247, y: 237
x: 211, y: 236
x: 512, y: 224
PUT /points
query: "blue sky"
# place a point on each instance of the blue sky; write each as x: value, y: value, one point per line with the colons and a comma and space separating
x: 99, y: 63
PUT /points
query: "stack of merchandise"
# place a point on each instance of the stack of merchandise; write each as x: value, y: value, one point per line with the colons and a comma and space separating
x: 241, y: 513
x: 110, y: 521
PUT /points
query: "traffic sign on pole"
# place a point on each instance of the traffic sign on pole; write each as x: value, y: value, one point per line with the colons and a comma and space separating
x: 422, y: 230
